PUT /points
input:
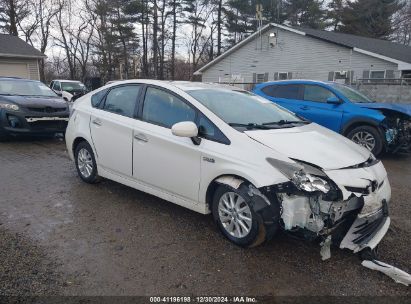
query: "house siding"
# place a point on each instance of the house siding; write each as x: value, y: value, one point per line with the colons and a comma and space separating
x: 305, y: 57
x: 32, y: 66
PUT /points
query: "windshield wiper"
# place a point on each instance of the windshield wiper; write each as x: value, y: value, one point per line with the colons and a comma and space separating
x: 286, y: 122
x: 250, y: 126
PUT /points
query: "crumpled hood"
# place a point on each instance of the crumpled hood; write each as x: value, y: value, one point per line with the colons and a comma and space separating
x: 30, y: 101
x: 399, y: 107
x: 313, y: 144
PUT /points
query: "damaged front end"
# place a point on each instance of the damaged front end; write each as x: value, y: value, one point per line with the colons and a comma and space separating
x: 397, y: 132
x: 346, y: 207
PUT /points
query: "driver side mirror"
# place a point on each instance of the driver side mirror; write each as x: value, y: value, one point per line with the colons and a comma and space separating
x: 186, y: 129
x: 334, y: 100
x: 58, y: 93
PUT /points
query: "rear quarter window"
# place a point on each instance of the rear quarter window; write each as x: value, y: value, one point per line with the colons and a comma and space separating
x: 97, y: 98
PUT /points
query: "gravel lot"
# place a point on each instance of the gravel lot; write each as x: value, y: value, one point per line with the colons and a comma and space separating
x: 59, y: 235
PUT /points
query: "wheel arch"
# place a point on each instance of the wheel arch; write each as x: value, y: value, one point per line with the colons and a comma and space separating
x: 212, y: 186
x: 357, y: 122
x: 77, y: 141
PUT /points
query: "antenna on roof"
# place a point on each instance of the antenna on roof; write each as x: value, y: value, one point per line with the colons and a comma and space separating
x: 259, y: 18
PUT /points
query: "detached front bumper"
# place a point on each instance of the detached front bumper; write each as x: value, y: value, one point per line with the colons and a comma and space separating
x: 367, y: 232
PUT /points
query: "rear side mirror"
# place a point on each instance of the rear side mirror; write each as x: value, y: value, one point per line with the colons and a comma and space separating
x: 185, y: 129
x: 334, y: 100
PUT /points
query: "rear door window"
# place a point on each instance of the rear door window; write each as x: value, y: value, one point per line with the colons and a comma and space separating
x: 288, y: 91
x: 122, y: 100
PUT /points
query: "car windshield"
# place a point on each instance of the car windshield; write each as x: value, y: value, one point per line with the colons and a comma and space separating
x: 242, y: 109
x: 72, y: 86
x: 24, y: 88
x: 351, y: 94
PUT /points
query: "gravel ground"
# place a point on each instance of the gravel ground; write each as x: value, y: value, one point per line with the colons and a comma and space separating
x: 61, y: 236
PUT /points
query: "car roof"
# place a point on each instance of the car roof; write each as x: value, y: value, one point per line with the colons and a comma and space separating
x: 182, y: 85
x: 17, y: 79
x: 190, y: 86
x: 66, y: 80
x: 297, y: 81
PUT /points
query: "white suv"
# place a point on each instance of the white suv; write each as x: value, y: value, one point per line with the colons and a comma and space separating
x: 214, y: 149
x: 70, y: 90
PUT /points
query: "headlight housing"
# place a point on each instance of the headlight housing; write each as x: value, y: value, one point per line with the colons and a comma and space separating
x: 310, y: 183
x: 9, y: 106
x: 304, y: 177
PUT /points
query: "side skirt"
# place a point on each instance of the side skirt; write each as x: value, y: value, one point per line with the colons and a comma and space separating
x: 195, y: 206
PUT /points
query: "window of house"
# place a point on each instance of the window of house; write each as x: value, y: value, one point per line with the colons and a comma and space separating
x: 260, y: 78
x: 122, y: 100
x: 317, y: 93
x: 377, y: 74
x: 282, y: 76
x: 165, y: 109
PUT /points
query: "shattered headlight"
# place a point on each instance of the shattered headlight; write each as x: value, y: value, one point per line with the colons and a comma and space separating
x: 309, y: 183
x: 297, y: 173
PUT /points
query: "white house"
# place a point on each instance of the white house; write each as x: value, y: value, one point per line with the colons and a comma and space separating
x: 18, y: 58
x: 279, y: 52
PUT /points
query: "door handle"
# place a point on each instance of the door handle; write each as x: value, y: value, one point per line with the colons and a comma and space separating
x: 141, y: 137
x: 304, y: 108
x: 97, y: 122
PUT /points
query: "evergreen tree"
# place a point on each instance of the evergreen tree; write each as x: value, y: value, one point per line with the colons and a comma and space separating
x: 305, y: 13
x: 370, y: 18
x: 334, y: 15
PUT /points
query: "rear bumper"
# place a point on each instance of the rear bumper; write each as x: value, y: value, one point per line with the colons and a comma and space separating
x: 368, y: 231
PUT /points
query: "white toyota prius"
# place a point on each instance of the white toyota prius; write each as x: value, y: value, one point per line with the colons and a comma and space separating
x: 255, y: 166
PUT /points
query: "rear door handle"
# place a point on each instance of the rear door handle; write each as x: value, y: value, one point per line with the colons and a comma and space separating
x: 141, y: 137
x: 97, y: 122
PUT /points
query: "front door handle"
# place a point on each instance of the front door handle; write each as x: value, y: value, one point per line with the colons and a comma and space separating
x: 97, y: 122
x: 141, y: 137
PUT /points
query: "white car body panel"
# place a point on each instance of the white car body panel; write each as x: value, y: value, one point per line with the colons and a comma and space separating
x: 150, y: 158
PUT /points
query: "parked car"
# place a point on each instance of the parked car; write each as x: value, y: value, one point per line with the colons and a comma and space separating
x: 376, y: 126
x: 255, y: 166
x: 70, y: 90
x: 30, y: 107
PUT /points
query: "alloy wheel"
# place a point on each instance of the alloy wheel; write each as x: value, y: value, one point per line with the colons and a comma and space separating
x: 364, y: 139
x: 85, y: 163
x: 235, y: 214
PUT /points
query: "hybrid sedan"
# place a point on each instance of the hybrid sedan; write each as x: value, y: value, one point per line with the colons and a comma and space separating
x: 257, y: 167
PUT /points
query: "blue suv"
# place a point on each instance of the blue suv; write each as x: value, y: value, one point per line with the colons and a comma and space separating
x: 377, y: 126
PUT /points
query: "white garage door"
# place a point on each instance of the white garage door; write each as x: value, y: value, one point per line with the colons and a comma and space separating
x: 14, y: 70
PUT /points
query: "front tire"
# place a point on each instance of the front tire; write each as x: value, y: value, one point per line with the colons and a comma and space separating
x: 368, y: 137
x: 86, y: 163
x: 233, y: 211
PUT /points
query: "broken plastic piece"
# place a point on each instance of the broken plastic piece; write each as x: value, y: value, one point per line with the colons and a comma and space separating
x: 326, y: 249
x: 396, y: 274
x: 230, y: 181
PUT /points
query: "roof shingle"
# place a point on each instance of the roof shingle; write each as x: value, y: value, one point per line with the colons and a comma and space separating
x: 13, y: 46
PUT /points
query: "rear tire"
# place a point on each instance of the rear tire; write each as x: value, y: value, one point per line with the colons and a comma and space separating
x: 86, y: 163
x: 368, y: 137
